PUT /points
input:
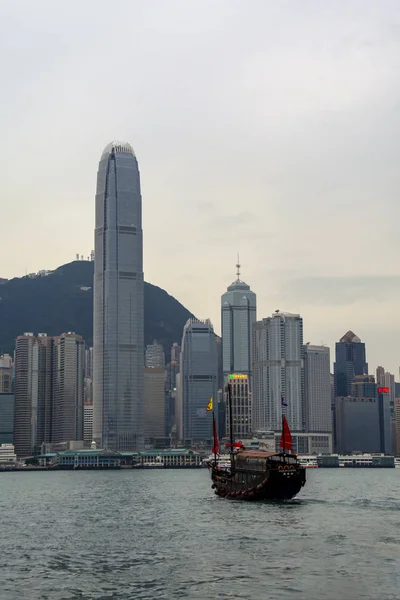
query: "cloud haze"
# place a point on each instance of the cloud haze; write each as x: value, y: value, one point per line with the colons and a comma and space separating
x: 268, y: 128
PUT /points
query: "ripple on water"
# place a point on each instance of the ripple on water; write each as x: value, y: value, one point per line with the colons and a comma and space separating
x: 163, y: 534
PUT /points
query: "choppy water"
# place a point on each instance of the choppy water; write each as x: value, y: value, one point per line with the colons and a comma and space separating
x: 126, y: 535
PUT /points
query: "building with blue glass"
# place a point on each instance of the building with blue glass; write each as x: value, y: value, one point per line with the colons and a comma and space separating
x: 6, y: 418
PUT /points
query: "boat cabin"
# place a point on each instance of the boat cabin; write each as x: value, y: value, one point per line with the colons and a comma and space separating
x: 259, y: 460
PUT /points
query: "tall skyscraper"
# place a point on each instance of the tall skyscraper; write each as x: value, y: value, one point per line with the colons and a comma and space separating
x: 49, y: 390
x: 155, y: 357
x: 363, y: 424
x: 175, y: 352
x: 238, y: 313
x: 118, y: 352
x: 88, y: 423
x: 88, y: 397
x: 6, y: 371
x: 390, y: 383
x: 241, y: 406
x: 154, y: 403
x: 384, y: 379
x: 397, y: 426
x: 198, y: 379
x: 278, y: 372
x: 317, y: 389
x: 350, y: 361
x: 380, y: 376
x: 172, y: 371
x: 6, y: 418
x: 33, y: 393
x: 68, y: 388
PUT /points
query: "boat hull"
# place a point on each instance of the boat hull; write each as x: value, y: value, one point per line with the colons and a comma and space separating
x: 275, y: 484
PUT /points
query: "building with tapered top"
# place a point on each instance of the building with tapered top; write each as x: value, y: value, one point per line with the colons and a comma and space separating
x: 118, y: 326
x: 350, y: 361
x: 238, y: 313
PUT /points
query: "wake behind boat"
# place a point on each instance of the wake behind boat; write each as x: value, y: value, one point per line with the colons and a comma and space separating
x: 257, y: 474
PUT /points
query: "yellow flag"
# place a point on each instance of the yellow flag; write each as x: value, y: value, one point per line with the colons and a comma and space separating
x: 210, y: 405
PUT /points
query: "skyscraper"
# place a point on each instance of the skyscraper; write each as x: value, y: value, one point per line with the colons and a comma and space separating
x: 171, y: 374
x: 350, y: 361
x: 88, y: 398
x: 118, y: 352
x: 380, y: 376
x: 175, y: 352
x: 33, y: 393
x: 68, y: 384
x: 241, y: 406
x: 49, y: 389
x: 6, y: 418
x: 154, y: 403
x: 317, y: 389
x: 198, y: 379
x: 363, y: 424
x: 397, y: 426
x: 155, y: 357
x: 6, y: 371
x: 278, y: 372
x: 238, y: 313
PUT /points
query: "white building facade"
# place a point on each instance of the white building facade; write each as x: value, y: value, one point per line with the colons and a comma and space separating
x: 155, y: 358
x: 241, y: 406
x: 317, y: 388
x: 278, y: 372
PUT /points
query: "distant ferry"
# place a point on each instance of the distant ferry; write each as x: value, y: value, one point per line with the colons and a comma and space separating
x: 149, y: 465
x: 308, y: 462
x: 223, y: 461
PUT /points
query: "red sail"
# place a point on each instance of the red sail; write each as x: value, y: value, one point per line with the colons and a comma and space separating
x: 215, y: 447
x: 286, y: 437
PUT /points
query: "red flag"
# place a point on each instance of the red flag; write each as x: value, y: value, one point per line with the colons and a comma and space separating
x: 215, y: 447
x: 286, y: 437
x: 236, y: 445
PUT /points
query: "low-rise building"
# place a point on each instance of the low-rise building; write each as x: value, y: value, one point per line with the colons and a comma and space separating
x: 7, y: 453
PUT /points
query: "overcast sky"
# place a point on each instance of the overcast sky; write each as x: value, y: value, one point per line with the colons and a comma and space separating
x: 264, y: 127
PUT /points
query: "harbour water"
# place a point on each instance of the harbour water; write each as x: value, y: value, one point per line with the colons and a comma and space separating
x: 129, y: 535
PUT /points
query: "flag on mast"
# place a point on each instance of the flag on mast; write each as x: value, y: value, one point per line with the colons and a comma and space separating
x: 215, y: 448
x: 286, y: 437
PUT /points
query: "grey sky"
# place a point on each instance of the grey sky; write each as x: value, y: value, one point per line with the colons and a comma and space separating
x: 264, y: 127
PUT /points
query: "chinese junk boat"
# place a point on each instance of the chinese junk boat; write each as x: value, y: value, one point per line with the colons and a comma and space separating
x: 257, y: 474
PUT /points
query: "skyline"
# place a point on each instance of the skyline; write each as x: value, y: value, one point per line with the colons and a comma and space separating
x: 236, y: 149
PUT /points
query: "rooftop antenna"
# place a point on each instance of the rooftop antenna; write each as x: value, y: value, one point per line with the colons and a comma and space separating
x: 238, y: 267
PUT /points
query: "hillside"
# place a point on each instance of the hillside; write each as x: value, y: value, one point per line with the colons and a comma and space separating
x: 63, y: 301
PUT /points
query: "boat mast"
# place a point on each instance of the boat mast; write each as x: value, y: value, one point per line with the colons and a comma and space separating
x: 214, y: 438
x: 229, y: 389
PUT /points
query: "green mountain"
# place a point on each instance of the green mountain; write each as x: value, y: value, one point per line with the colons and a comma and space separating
x: 62, y: 300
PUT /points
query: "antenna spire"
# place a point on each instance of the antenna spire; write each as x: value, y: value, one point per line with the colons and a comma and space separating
x: 238, y: 267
